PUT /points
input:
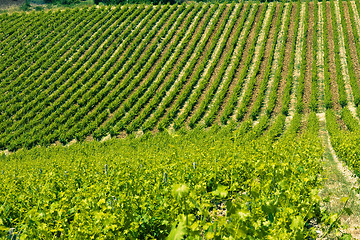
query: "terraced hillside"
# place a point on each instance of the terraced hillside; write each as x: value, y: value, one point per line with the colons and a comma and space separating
x: 275, y: 86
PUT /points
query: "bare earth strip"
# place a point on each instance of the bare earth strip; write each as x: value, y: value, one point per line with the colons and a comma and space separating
x: 187, y: 65
x: 297, y: 65
x: 333, y: 85
x: 170, y: 60
x: 344, y: 64
x: 356, y: 15
x: 213, y: 56
x: 259, y: 44
x: 247, y: 25
x: 285, y: 67
x: 310, y: 59
x: 281, y: 42
x: 320, y: 58
x: 352, y: 42
x: 269, y: 42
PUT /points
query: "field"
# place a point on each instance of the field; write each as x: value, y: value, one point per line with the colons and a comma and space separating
x: 204, y: 121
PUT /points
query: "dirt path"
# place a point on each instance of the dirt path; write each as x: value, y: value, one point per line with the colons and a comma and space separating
x: 338, y: 179
x: 338, y: 184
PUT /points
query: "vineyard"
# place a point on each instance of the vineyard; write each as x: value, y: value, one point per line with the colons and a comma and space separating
x: 199, y: 121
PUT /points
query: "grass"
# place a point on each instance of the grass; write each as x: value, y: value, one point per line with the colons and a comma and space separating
x: 336, y: 188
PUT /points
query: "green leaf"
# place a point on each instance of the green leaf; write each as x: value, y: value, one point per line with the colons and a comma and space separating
x: 344, y: 199
x: 179, y: 231
x: 348, y: 211
x: 3, y: 228
x: 180, y: 191
x: 221, y: 191
x: 297, y: 223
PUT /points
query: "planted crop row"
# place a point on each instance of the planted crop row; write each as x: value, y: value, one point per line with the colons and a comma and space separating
x: 281, y: 22
x: 155, y: 78
x: 188, y: 88
x: 161, y: 186
x: 7, y: 70
x: 194, y: 53
x: 62, y: 79
x: 161, y: 93
x: 289, y: 78
x: 346, y: 144
x: 38, y: 76
x: 20, y: 38
x: 36, y: 44
x: 71, y: 115
x: 229, y: 108
x: 327, y: 80
x: 243, y: 107
x: 68, y: 94
x: 351, y: 122
x: 156, y: 59
x: 352, y: 76
x: 210, y: 64
x: 230, y: 65
x: 339, y: 77
x: 273, y: 95
x: 301, y: 80
x: 313, y: 105
x: 31, y: 99
x: 200, y: 111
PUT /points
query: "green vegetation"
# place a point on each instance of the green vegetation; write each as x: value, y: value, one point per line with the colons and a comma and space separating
x: 216, y: 183
x: 196, y: 121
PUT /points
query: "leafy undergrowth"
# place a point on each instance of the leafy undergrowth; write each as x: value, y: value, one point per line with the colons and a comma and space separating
x: 214, y: 184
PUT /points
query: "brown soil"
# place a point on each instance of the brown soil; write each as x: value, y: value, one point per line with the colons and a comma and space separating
x: 202, y: 57
x: 332, y: 67
x: 216, y: 70
x: 264, y: 62
x: 304, y: 121
x: 352, y: 46
x: 190, y: 43
x: 309, y: 59
x: 219, y: 64
x: 158, y: 60
x: 201, y: 22
x: 286, y: 61
x: 341, y: 122
x: 244, y: 54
